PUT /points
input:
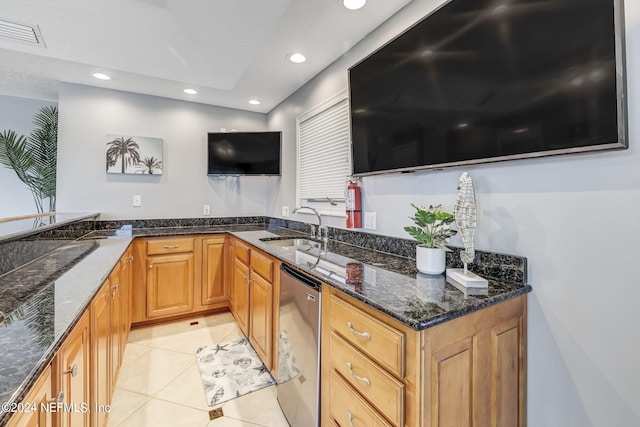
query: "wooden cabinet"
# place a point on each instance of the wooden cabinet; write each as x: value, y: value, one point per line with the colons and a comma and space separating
x: 469, y: 371
x: 253, y: 298
x: 179, y: 276
x: 170, y: 269
x: 261, y: 318
x: 126, y: 280
x: 214, y: 287
x: 101, y: 386
x: 240, y: 292
x: 37, y: 398
x: 116, y: 320
x: 73, y: 378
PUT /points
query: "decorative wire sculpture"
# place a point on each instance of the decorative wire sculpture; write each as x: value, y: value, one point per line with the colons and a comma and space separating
x: 464, y: 211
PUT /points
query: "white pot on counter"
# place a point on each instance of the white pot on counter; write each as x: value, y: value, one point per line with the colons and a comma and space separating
x: 430, y: 260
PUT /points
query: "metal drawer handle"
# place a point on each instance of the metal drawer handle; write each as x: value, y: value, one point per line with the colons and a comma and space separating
x: 130, y: 260
x: 59, y: 399
x: 73, y: 371
x: 351, y: 419
x: 360, y: 334
x: 365, y: 380
x: 150, y: 266
x: 116, y: 287
x: 171, y: 246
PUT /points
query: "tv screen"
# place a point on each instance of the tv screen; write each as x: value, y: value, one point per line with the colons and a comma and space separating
x: 244, y: 153
x: 486, y: 80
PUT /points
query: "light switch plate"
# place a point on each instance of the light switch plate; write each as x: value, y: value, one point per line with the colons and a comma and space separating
x: 285, y: 211
x: 137, y: 200
x: 206, y: 209
x: 370, y: 220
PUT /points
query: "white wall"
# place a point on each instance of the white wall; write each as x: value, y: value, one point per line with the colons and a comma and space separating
x: 17, y: 115
x: 87, y: 114
x: 573, y: 217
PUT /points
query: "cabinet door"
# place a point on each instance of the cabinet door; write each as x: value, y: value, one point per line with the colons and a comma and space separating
x: 100, y: 355
x: 169, y: 285
x: 213, y: 283
x: 74, y: 375
x: 38, y: 397
x: 126, y: 278
x: 261, y: 317
x: 240, y: 290
x: 116, y: 320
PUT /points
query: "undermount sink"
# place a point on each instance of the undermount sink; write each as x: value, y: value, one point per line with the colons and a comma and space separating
x: 290, y: 242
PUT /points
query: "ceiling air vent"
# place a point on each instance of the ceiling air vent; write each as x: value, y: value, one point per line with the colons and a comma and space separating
x: 20, y: 32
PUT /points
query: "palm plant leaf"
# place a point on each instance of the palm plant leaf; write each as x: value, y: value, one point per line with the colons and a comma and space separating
x: 15, y: 155
x: 34, y: 159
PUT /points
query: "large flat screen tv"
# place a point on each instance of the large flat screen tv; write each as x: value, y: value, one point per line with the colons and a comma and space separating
x: 489, y: 80
x: 243, y: 153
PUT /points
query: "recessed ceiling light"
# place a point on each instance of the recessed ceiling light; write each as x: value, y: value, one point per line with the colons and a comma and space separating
x: 190, y: 91
x: 297, y: 58
x: 254, y: 102
x: 101, y: 76
x: 353, y: 4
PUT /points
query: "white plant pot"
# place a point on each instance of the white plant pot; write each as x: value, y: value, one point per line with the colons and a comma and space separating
x: 430, y: 260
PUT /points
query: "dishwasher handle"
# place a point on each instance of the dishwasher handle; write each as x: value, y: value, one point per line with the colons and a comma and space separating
x: 301, y: 277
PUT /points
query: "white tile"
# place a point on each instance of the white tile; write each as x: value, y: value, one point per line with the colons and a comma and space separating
x: 260, y: 407
x: 153, y: 371
x: 160, y: 377
x: 186, y: 390
x: 159, y: 413
x: 123, y: 404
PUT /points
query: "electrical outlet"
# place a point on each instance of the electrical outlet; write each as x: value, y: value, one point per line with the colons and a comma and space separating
x: 370, y: 220
x: 285, y: 211
x: 137, y: 200
x: 206, y: 209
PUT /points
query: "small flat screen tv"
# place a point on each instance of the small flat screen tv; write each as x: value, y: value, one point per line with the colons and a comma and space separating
x: 489, y: 80
x: 243, y: 153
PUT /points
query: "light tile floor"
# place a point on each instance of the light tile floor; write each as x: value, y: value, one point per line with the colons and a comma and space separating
x: 159, y: 382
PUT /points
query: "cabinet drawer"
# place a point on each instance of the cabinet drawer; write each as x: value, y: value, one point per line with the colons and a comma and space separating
x: 347, y: 408
x: 374, y: 383
x: 241, y: 251
x: 263, y: 265
x: 169, y: 246
x: 379, y: 341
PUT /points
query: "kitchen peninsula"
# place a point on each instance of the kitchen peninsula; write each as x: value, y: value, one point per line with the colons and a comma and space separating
x: 375, y: 287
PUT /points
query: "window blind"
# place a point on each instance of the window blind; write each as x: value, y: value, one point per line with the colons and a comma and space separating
x: 324, y: 151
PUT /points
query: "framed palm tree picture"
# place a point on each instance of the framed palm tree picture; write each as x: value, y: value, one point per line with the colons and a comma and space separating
x: 133, y: 155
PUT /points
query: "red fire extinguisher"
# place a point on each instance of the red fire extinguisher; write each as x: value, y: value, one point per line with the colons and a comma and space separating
x: 354, y: 204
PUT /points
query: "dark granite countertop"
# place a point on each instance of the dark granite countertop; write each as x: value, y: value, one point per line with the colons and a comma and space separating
x: 20, y: 228
x: 44, y: 298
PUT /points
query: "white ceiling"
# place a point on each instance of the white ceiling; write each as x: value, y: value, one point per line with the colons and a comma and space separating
x: 228, y: 50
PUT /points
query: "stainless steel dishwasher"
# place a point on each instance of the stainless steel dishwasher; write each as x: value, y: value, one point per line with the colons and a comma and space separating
x: 298, y: 387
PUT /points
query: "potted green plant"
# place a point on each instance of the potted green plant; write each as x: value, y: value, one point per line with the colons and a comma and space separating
x: 431, y: 230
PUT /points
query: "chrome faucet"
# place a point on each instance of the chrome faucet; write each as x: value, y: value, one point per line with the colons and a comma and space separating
x: 323, y: 232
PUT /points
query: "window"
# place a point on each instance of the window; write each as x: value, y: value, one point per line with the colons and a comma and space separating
x: 324, y: 155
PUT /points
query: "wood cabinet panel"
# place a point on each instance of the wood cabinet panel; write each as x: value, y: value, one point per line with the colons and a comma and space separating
x: 378, y: 387
x: 214, y: 287
x: 240, y: 290
x: 384, y: 344
x: 263, y: 265
x: 169, y: 245
x: 169, y: 285
x: 261, y: 318
x: 100, y: 354
x: 40, y: 396
x: 116, y: 341
x: 241, y: 251
x: 73, y: 362
x: 349, y: 409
